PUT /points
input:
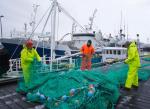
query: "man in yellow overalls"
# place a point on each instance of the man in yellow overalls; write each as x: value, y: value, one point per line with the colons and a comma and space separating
x: 133, y: 61
x: 28, y: 54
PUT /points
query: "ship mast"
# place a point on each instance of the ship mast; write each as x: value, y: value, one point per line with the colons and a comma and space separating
x: 52, y: 13
x: 53, y: 31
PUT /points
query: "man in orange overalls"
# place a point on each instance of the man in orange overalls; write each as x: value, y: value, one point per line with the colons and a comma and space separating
x: 87, y: 51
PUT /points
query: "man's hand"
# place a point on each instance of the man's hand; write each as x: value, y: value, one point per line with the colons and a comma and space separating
x: 39, y: 62
x: 83, y: 55
x: 125, y: 62
x: 86, y: 55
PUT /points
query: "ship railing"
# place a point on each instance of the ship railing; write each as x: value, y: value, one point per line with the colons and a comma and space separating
x: 64, y: 62
x: 15, y: 64
x: 14, y: 68
x: 56, y: 65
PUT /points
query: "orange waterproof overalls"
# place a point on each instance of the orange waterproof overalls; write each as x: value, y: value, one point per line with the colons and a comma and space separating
x: 87, y: 53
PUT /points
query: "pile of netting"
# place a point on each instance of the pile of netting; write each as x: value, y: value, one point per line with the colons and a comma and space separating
x: 76, y: 89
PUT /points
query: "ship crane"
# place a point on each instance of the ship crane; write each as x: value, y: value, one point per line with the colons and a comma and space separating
x: 91, y: 19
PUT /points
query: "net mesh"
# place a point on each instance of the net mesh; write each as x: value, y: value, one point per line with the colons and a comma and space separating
x: 76, y: 89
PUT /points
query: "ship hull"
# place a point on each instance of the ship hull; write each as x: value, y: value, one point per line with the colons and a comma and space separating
x: 14, y: 51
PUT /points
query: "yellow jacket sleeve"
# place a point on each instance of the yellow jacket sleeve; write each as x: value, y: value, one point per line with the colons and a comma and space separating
x: 37, y: 55
x: 27, y: 57
x: 131, y: 54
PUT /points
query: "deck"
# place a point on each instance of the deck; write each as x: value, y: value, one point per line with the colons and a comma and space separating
x: 134, y: 99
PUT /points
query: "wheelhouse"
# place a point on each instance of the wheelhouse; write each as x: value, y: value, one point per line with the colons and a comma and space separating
x: 113, y: 53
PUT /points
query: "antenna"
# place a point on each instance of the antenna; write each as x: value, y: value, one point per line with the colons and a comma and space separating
x: 73, y: 29
x: 121, y: 20
x: 25, y: 29
x: 127, y: 32
x: 124, y: 29
x: 33, y: 22
x: 147, y: 40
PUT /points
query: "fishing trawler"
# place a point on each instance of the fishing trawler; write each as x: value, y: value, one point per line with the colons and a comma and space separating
x: 45, y: 42
x: 74, y: 89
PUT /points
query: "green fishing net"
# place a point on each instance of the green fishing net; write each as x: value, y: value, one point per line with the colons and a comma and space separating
x: 76, y: 89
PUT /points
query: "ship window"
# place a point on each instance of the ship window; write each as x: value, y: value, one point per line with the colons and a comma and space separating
x: 119, y: 52
x: 104, y: 51
x: 125, y: 52
x: 114, y: 52
x: 107, y: 52
x: 110, y: 51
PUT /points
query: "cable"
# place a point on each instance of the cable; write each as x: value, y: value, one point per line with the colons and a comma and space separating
x: 47, y: 19
x: 31, y: 33
x: 45, y: 24
x: 65, y: 12
x: 39, y: 22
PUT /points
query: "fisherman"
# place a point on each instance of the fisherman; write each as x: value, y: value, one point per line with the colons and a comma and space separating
x: 133, y: 61
x: 28, y: 54
x: 87, y: 51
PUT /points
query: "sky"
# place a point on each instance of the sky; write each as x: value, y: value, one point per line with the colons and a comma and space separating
x: 135, y: 16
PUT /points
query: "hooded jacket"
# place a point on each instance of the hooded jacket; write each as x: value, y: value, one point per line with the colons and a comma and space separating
x: 133, y: 56
x: 27, y: 57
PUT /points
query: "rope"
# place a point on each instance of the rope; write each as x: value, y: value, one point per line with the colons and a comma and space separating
x: 31, y: 33
x: 39, y: 22
x: 29, y: 36
x: 45, y: 23
x: 47, y: 19
x: 65, y: 12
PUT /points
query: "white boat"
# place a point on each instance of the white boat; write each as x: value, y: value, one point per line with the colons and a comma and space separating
x: 110, y: 54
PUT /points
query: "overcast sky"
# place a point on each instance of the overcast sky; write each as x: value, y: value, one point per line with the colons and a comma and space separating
x: 135, y: 15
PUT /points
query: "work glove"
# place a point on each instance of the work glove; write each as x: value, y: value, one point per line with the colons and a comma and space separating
x: 39, y: 62
x: 125, y: 62
x: 83, y: 55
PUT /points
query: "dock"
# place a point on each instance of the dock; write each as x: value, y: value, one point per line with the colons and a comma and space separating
x: 134, y: 99
x: 10, y: 99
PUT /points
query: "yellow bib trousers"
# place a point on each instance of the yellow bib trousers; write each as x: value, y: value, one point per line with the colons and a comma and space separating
x: 132, y: 77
